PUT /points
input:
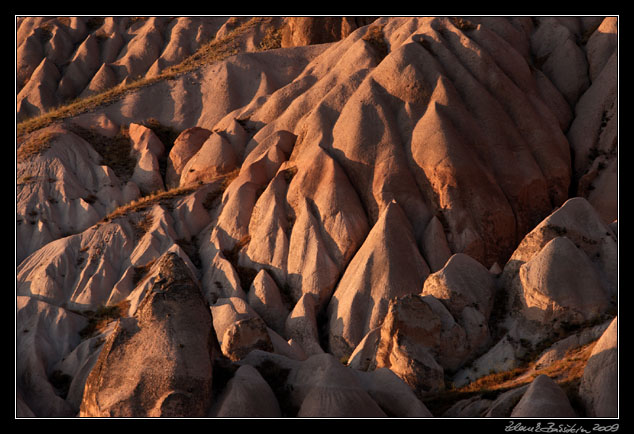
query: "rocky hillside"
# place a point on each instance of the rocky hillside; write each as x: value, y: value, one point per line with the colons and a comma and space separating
x: 316, y: 217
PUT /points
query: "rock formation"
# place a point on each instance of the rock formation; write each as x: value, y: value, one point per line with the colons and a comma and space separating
x: 158, y: 362
x: 348, y: 217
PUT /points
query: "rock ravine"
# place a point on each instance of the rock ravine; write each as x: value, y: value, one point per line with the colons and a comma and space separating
x: 340, y: 217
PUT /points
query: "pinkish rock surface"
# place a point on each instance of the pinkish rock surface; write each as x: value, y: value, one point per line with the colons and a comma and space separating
x: 367, y: 210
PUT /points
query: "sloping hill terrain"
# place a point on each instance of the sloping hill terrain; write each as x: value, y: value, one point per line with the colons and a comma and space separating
x: 317, y: 217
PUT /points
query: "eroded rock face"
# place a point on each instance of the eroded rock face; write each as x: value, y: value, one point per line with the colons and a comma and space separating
x: 599, y: 388
x: 410, y: 338
x: 320, y: 386
x: 159, y: 362
x: 319, y: 30
x: 467, y: 290
x: 361, y: 299
x: 560, y: 286
x: 62, y: 188
x: 375, y: 197
x: 247, y: 395
x: 185, y: 146
x: 562, y: 276
x: 543, y: 398
x: 45, y: 333
x: 572, y: 242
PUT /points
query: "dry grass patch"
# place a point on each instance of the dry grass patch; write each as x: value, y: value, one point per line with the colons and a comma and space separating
x: 272, y: 39
x: 148, y: 201
x: 164, y: 197
x: 566, y: 372
x: 213, y: 51
x: 36, y: 144
x: 100, y: 318
x: 228, y: 178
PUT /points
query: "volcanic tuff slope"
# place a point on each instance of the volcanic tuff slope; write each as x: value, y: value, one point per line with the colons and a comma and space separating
x: 339, y: 217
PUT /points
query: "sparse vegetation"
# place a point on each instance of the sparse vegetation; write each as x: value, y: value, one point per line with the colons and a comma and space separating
x: 272, y: 39
x: 148, y: 201
x: 289, y: 173
x: 36, y: 144
x: 228, y: 178
x: 463, y: 24
x: 99, y: 319
x: 560, y: 231
x: 165, y: 133
x: 27, y: 179
x: 212, y: 51
x: 143, y: 225
x: 376, y: 39
x: 567, y: 372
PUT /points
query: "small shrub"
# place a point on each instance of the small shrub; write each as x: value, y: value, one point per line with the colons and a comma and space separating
x: 228, y: 178
x: 376, y: 39
x: 97, y: 320
x: 142, y: 226
x: 462, y: 24
x: 289, y: 173
x: 272, y: 39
